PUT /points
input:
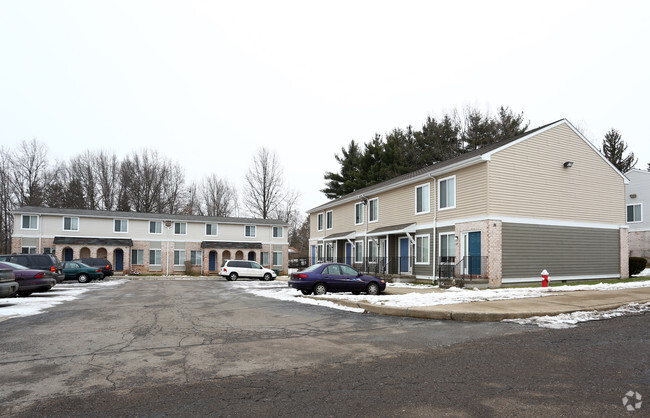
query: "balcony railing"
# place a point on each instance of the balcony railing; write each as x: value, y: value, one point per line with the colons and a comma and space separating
x: 466, y: 271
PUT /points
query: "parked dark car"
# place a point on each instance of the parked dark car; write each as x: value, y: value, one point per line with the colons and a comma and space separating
x: 335, y: 277
x: 102, y: 263
x: 30, y: 280
x: 48, y: 262
x: 81, y: 272
x: 8, y: 283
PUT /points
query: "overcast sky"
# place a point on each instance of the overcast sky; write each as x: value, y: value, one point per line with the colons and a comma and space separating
x: 208, y: 82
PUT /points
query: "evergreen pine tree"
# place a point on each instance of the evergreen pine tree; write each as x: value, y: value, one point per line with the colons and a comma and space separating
x: 614, y: 149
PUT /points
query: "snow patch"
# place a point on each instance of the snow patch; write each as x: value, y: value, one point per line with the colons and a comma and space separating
x: 571, y: 320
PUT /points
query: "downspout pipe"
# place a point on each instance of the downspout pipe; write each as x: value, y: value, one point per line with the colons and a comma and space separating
x: 435, y: 224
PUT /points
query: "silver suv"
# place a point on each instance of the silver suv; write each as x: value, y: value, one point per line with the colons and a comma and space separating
x: 234, y: 269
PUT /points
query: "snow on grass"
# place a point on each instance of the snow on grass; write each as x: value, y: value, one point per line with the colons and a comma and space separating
x: 644, y: 273
x: 571, y: 320
x: 37, y: 303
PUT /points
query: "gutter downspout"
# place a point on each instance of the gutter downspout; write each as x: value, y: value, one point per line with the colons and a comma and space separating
x: 435, y: 225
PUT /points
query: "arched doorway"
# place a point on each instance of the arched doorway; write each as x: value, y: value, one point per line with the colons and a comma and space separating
x: 84, y: 253
x: 102, y: 253
x: 239, y: 255
x: 212, y: 261
x: 68, y: 254
x: 251, y: 256
x: 225, y: 256
x: 118, y: 262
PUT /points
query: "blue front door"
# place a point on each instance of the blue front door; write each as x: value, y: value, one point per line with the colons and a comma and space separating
x: 404, y: 254
x: 68, y: 254
x: 348, y: 253
x: 212, y: 261
x: 474, y: 253
x: 119, y: 260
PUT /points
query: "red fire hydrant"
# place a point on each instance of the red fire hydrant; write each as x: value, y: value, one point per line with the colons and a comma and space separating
x: 544, y: 278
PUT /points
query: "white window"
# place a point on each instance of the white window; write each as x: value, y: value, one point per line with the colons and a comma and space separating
x: 447, y: 248
x: 319, y: 222
x: 422, y: 249
x: 358, y: 213
x: 358, y: 252
x: 422, y: 199
x: 121, y: 225
x: 447, y: 188
x: 373, y: 210
x: 250, y: 231
x: 329, y: 219
x: 211, y: 229
x: 155, y: 227
x: 372, y: 251
x: 180, y: 228
x: 154, y: 257
x: 28, y: 250
x: 70, y: 224
x: 278, y: 232
x: 195, y: 257
x: 179, y: 257
x: 48, y: 250
x: 265, y: 258
x: 277, y: 258
x: 634, y: 213
x: 329, y: 250
x: 30, y: 222
x: 320, y: 252
x: 137, y: 257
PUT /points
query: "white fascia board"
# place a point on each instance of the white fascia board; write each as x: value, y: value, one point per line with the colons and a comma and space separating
x: 430, y: 174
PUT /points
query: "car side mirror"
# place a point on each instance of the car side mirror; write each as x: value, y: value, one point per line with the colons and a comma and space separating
x: 359, y: 275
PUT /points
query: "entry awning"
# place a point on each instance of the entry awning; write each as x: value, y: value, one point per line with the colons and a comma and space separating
x: 340, y: 235
x: 225, y: 245
x: 113, y: 242
x: 393, y: 229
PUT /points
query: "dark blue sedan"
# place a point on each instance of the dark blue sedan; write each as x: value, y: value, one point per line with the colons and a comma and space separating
x: 335, y: 277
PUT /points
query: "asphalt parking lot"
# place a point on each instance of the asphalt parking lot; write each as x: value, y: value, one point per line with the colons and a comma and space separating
x: 205, y: 347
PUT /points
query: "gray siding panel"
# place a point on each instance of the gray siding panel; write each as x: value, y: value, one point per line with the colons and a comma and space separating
x: 562, y: 251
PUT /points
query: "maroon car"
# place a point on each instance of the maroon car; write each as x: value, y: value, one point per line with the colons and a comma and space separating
x: 30, y: 280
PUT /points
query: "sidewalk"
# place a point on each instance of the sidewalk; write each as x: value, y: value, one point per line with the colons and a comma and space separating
x: 555, y: 304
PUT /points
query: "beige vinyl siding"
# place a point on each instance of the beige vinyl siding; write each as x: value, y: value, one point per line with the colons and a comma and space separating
x: 471, y: 193
x: 424, y: 269
x: 528, y: 180
x: 529, y: 249
x: 397, y: 207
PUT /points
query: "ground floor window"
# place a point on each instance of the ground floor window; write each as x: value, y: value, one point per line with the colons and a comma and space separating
x: 329, y: 248
x: 320, y: 252
x: 265, y: 258
x: 422, y: 249
x: 154, y: 257
x: 447, y: 248
x: 277, y: 258
x: 137, y: 257
x: 195, y: 257
x: 28, y: 250
x: 179, y: 257
x: 48, y: 250
x: 358, y: 252
x: 372, y: 251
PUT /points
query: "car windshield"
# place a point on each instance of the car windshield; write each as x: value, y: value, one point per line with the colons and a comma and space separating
x: 14, y: 265
x: 84, y: 265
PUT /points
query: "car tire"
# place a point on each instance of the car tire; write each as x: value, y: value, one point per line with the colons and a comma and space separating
x: 356, y: 293
x: 320, y: 289
x: 372, y: 289
x: 233, y: 276
x: 267, y: 277
x: 82, y: 278
x: 306, y: 292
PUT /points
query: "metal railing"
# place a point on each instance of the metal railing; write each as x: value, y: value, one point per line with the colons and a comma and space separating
x: 467, y: 270
x: 378, y: 266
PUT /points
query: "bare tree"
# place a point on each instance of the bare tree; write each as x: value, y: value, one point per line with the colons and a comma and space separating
x: 192, y: 203
x: 219, y: 196
x: 173, y: 189
x: 107, y: 174
x: 144, y: 175
x: 28, y: 173
x: 83, y: 174
x: 7, y: 201
x: 264, y: 184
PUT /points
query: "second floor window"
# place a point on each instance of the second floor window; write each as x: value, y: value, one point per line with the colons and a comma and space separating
x: 277, y: 232
x: 70, y: 224
x: 210, y: 229
x: 447, y: 189
x: 30, y: 222
x: 358, y: 213
x: 250, y: 231
x: 422, y: 199
x: 373, y: 210
x: 180, y: 228
x: 320, y: 221
x: 121, y: 225
x: 155, y: 227
x: 329, y: 219
x: 634, y: 213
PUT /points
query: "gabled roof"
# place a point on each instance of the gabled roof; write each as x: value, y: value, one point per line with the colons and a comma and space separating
x: 465, y: 160
x: 148, y: 216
